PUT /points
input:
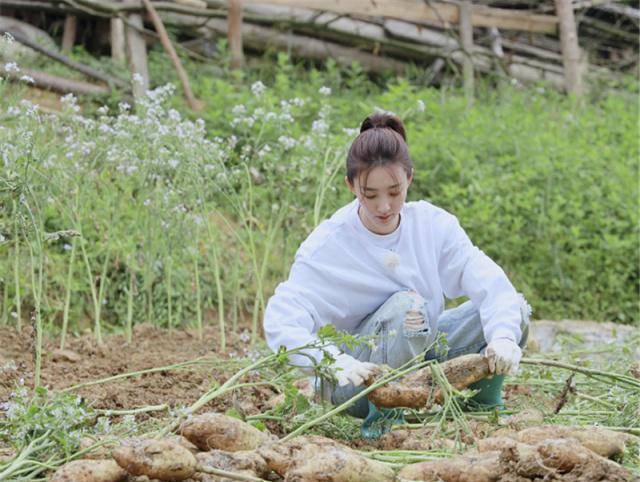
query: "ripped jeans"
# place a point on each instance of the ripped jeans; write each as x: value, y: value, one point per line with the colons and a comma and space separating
x: 395, y: 344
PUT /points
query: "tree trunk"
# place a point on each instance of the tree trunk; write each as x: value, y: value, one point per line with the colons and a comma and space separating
x: 137, y: 52
x: 118, y: 44
x: 234, y: 33
x: 69, y: 34
x: 466, y: 39
x: 570, y: 48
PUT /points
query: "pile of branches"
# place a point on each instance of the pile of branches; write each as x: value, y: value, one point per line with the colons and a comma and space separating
x: 526, y: 46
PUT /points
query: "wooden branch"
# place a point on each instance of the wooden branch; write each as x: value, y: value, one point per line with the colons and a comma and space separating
x: 59, y: 84
x: 570, y: 48
x: 619, y: 9
x: 168, y: 47
x: 85, y: 69
x: 418, y: 10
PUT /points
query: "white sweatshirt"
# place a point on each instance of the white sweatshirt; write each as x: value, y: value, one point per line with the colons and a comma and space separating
x: 343, y: 272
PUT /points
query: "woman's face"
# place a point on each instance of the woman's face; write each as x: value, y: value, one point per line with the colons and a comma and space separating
x: 382, y: 197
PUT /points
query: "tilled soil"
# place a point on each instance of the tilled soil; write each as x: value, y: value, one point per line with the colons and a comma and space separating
x: 152, y: 347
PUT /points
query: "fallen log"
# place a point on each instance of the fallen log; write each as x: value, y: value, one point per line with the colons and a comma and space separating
x: 58, y: 84
x: 63, y: 59
x: 261, y: 39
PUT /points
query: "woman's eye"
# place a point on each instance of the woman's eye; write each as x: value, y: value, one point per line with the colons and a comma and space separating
x: 369, y: 197
x: 394, y: 194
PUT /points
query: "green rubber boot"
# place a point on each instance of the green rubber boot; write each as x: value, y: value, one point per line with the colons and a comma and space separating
x: 380, y: 421
x: 490, y: 394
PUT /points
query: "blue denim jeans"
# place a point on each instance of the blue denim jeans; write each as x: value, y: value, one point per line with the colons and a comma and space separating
x: 395, y: 345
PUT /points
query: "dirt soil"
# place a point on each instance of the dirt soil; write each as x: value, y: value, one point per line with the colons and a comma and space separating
x: 152, y: 347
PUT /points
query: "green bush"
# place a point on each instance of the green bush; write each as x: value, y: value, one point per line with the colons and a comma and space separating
x: 186, y: 221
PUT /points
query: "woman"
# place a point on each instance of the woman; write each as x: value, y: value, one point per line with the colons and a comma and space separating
x: 383, y: 267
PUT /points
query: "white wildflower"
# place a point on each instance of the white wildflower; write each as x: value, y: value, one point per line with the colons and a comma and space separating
x: 28, y: 79
x: 8, y: 38
x: 10, y: 67
x: 351, y: 132
x: 245, y: 336
x: 324, y: 90
x: 421, y: 106
x: 287, y: 142
x: 2, y: 238
x: 137, y: 78
x: 103, y: 110
x: 319, y: 125
x: 258, y: 88
x: 238, y: 109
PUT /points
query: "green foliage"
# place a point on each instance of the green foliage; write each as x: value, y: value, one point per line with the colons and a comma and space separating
x: 545, y: 185
x: 63, y: 418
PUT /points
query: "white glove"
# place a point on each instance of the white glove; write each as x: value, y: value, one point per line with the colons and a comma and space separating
x: 350, y: 370
x: 504, y: 356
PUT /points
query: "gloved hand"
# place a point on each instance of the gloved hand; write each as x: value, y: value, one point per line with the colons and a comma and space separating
x: 504, y: 356
x: 352, y: 370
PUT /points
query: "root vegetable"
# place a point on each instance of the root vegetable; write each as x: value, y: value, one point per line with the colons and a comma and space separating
x: 101, y: 452
x: 281, y: 456
x: 551, y: 458
x: 523, y: 419
x: 419, y: 388
x: 157, y: 459
x: 245, y: 462
x: 216, y: 431
x: 318, y: 459
x: 602, y: 441
x: 473, y: 467
x: 413, y: 439
x: 89, y: 471
x: 580, y: 463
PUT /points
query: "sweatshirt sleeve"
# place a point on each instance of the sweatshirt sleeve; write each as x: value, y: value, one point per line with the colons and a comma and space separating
x: 466, y: 271
x: 294, y: 312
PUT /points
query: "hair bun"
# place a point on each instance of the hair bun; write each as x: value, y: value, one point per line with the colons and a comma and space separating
x: 382, y: 120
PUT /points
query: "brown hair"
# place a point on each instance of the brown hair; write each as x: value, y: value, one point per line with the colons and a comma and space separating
x: 382, y: 141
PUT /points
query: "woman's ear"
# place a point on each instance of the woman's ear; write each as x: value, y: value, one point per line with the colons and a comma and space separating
x: 350, y: 185
x: 410, y: 178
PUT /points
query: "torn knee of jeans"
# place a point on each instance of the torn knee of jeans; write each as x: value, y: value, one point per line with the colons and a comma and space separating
x: 415, y: 324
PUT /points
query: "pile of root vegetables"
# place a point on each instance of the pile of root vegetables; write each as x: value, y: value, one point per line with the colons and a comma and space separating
x: 215, y: 447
